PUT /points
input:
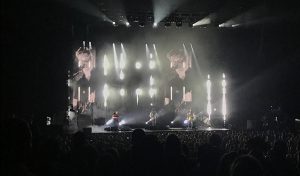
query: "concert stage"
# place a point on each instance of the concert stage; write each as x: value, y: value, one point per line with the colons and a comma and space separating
x: 105, y: 129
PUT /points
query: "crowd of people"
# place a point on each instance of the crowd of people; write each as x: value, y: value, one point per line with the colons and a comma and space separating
x: 27, y: 151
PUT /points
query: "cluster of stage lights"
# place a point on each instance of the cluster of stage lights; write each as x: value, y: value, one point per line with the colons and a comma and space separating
x: 119, y: 62
x: 209, y: 106
x: 203, y: 22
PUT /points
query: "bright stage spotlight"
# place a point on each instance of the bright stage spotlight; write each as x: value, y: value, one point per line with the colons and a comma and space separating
x: 105, y: 65
x: 172, y: 122
x: 224, y: 110
x: 151, y: 55
x: 122, y: 61
x: 105, y: 93
x: 138, y: 65
x: 127, y: 24
x: 152, y: 92
x: 138, y: 91
x: 152, y: 64
x: 235, y: 25
x: 154, y: 25
x: 222, y: 25
x: 114, y: 23
x: 185, y: 121
x: 122, y: 92
x: 208, y: 87
x: 151, y: 80
x: 203, y: 21
x: 122, y: 76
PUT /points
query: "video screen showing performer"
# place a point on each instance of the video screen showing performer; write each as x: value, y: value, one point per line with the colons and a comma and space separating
x: 178, y: 87
x: 84, y: 78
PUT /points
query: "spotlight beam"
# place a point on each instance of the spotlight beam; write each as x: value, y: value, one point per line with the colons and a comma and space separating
x: 224, y: 110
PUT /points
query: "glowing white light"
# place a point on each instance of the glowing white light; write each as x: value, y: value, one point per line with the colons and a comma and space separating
x: 89, y: 94
x: 183, y: 92
x: 105, y: 64
x: 224, y: 110
x: 208, y: 87
x: 78, y: 93
x: 222, y: 25
x: 122, y: 61
x: 79, y: 63
x: 152, y: 92
x: 172, y: 122
x: 122, y: 75
x: 127, y: 24
x: 69, y: 82
x: 114, y: 23
x: 105, y: 93
x: 171, y: 92
x: 185, y: 121
x: 90, y: 45
x: 151, y: 81
x: 152, y: 64
x: 138, y: 92
x: 203, y: 21
x: 115, y: 58
x: 122, y: 92
x: 122, y: 122
x: 150, y: 55
x: 138, y: 65
x: 154, y: 24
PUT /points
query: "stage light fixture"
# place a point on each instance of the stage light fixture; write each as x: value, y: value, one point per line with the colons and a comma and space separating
x: 178, y: 23
x: 138, y: 65
x: 152, y: 64
x: 127, y: 24
x: 152, y: 92
x: 138, y: 91
x: 151, y: 81
x: 167, y: 24
x: 122, y: 92
x: 142, y: 24
x: 154, y: 24
x: 122, y: 76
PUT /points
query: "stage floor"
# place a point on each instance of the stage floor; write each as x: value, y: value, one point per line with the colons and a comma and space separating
x: 101, y: 129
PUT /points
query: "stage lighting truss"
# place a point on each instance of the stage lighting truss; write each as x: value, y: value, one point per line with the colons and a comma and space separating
x: 143, y: 18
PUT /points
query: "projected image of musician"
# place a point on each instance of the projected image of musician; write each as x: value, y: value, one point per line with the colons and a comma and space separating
x: 178, y: 89
x: 84, y: 77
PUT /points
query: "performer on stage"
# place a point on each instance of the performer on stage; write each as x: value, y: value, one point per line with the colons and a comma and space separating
x: 153, y: 117
x: 115, y: 118
x: 190, y: 117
